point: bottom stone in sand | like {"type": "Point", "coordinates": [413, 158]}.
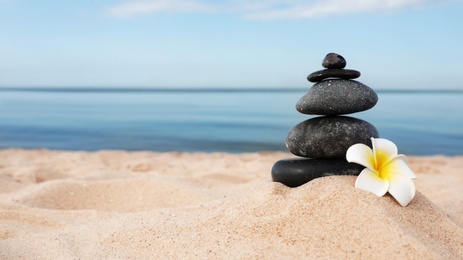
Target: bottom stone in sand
{"type": "Point", "coordinates": [294, 172]}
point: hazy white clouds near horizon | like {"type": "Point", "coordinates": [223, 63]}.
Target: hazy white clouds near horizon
{"type": "Point", "coordinates": [264, 9]}
{"type": "Point", "coordinates": [133, 8]}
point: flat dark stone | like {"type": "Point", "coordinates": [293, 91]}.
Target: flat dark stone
{"type": "Point", "coordinates": [336, 97]}
{"type": "Point", "coordinates": [329, 136]}
{"type": "Point", "coordinates": [334, 61]}
{"type": "Point", "coordinates": [297, 171]}
{"type": "Point", "coordinates": [333, 73]}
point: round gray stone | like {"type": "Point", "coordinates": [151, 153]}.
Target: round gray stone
{"type": "Point", "coordinates": [294, 172]}
{"type": "Point", "coordinates": [329, 136]}
{"type": "Point", "coordinates": [333, 73]}
{"type": "Point", "coordinates": [336, 97]}
{"type": "Point", "coordinates": [334, 61]}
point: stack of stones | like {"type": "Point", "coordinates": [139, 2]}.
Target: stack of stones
{"type": "Point", "coordinates": [322, 142]}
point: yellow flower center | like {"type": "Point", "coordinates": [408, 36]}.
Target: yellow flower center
{"type": "Point", "coordinates": [381, 160]}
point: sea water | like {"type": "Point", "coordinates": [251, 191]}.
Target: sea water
{"type": "Point", "coordinates": [420, 123]}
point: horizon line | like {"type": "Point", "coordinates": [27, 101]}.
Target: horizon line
{"type": "Point", "coordinates": [204, 89]}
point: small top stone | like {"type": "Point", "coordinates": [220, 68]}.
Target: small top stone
{"type": "Point", "coordinates": [334, 61]}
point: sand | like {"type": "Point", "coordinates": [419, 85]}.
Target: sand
{"type": "Point", "coordinates": [117, 204]}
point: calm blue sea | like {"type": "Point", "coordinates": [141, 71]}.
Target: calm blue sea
{"type": "Point", "coordinates": [420, 123]}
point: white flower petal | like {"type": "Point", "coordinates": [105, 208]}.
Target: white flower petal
{"type": "Point", "coordinates": [398, 165]}
{"type": "Point", "coordinates": [361, 154]}
{"type": "Point", "coordinates": [383, 151]}
{"type": "Point", "coordinates": [402, 189]}
{"type": "Point", "coordinates": [370, 181]}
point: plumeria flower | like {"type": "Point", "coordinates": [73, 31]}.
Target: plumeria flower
{"type": "Point", "coordinates": [386, 171]}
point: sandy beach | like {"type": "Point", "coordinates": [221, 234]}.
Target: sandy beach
{"type": "Point", "coordinates": [117, 204]}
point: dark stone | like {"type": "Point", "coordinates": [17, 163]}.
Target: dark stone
{"type": "Point", "coordinates": [329, 136]}
{"type": "Point", "coordinates": [334, 61]}
{"type": "Point", "coordinates": [297, 171]}
{"type": "Point", "coordinates": [333, 73]}
{"type": "Point", "coordinates": [336, 97]}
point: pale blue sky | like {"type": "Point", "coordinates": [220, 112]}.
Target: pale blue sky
{"type": "Point", "coordinates": [405, 44]}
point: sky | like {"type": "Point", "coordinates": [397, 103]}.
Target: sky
{"type": "Point", "coordinates": [395, 44]}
